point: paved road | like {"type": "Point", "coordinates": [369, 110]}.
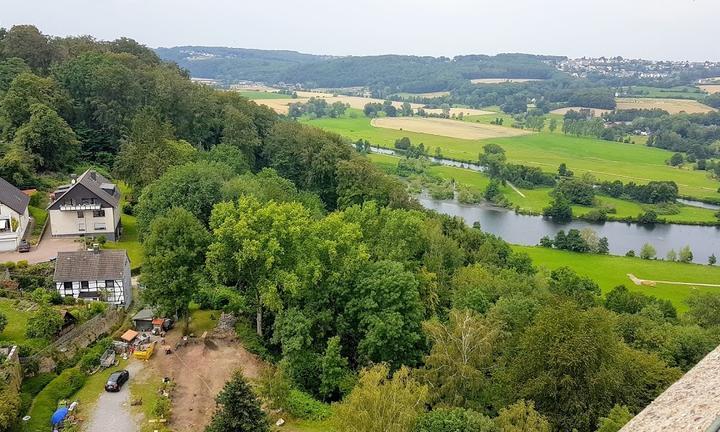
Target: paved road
{"type": "Point", "coordinates": [45, 250]}
{"type": "Point", "coordinates": [112, 410]}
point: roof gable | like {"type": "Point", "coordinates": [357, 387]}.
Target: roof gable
{"type": "Point", "coordinates": [90, 265]}
{"type": "Point", "coordinates": [93, 183]}
{"type": "Point", "coordinates": [13, 197]}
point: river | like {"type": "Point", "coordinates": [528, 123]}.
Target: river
{"type": "Point", "coordinates": [527, 230]}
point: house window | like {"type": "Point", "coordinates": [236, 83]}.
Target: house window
{"type": "Point", "coordinates": [100, 226]}
{"type": "Point", "coordinates": [109, 284]}
{"type": "Point", "coordinates": [99, 213]}
{"type": "Point", "coordinates": [80, 215]}
{"type": "Point", "coordinates": [5, 225]}
{"type": "Point", "coordinates": [84, 286]}
{"type": "Point", "coordinates": [68, 288]}
{"type": "Point", "coordinates": [81, 226]}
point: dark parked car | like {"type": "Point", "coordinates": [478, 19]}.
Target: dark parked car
{"type": "Point", "coordinates": [24, 246]}
{"type": "Point", "coordinates": [116, 380]}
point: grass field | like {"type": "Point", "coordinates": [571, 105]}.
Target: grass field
{"type": "Point", "coordinates": [611, 271]}
{"type": "Point", "coordinates": [673, 106]}
{"type": "Point", "coordinates": [535, 200]}
{"type": "Point", "coordinates": [130, 239]}
{"type": "Point", "coordinates": [678, 92]}
{"type": "Point", "coordinates": [428, 95]}
{"type": "Point", "coordinates": [606, 160]}
{"type": "Point", "coordinates": [17, 321]}
{"type": "Point", "coordinates": [259, 95]}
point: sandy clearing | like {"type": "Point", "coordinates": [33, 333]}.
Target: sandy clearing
{"type": "Point", "coordinates": [447, 128]}
{"type": "Point", "coordinates": [563, 111]}
{"type": "Point", "coordinates": [710, 88]}
{"type": "Point", "coordinates": [673, 106]}
{"type": "Point", "coordinates": [280, 106]}
{"type": "Point", "coordinates": [502, 80]}
{"type": "Point", "coordinates": [458, 111]}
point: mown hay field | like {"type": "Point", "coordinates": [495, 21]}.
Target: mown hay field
{"type": "Point", "coordinates": [710, 88]}
{"type": "Point", "coordinates": [447, 127]}
{"type": "Point", "coordinates": [673, 106]}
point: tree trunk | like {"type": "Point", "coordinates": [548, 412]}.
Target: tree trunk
{"type": "Point", "coordinates": [258, 320]}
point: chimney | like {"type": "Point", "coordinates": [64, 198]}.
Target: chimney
{"type": "Point", "coordinates": [73, 178]}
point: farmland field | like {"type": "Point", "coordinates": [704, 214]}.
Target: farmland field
{"type": "Point", "coordinates": [673, 106]}
{"type": "Point", "coordinates": [678, 92]}
{"type": "Point", "coordinates": [428, 95]}
{"type": "Point", "coordinates": [606, 160]}
{"type": "Point", "coordinates": [610, 271]}
{"type": "Point", "coordinates": [446, 127]}
{"type": "Point", "coordinates": [259, 95]}
{"type": "Point", "coordinates": [710, 88]}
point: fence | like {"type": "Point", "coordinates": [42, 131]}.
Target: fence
{"type": "Point", "coordinates": [76, 339]}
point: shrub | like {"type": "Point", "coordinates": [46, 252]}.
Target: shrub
{"type": "Point", "coordinates": [128, 208]}
{"type": "Point", "coordinates": [303, 406]}
{"type": "Point", "coordinates": [91, 358]}
{"type": "Point", "coordinates": [161, 407]}
{"type": "Point", "coordinates": [64, 386]}
{"type": "Point", "coordinates": [251, 341]}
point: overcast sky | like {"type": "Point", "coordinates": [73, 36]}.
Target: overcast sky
{"type": "Point", "coordinates": [654, 29]}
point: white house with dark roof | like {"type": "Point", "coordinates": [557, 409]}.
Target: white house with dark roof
{"type": "Point", "coordinates": [100, 274]}
{"type": "Point", "coordinates": [14, 216]}
{"type": "Point", "coordinates": [88, 206]}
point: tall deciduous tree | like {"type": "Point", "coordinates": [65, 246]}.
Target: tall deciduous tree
{"type": "Point", "coordinates": [460, 358]}
{"type": "Point", "coordinates": [27, 43]}
{"type": "Point", "coordinates": [174, 258]}
{"type": "Point", "coordinates": [25, 90]}
{"type": "Point", "coordinates": [49, 137]}
{"type": "Point", "coordinates": [240, 131]}
{"type": "Point", "coordinates": [195, 187]}
{"type": "Point", "coordinates": [258, 249]}
{"type": "Point", "coordinates": [238, 410]}
{"type": "Point", "coordinates": [521, 417]}
{"type": "Point", "coordinates": [149, 151]}
{"type": "Point", "coordinates": [379, 403]}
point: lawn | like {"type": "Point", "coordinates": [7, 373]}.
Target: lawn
{"type": "Point", "coordinates": [535, 200]}
{"type": "Point", "coordinates": [17, 321]}
{"type": "Point", "coordinates": [610, 271]}
{"type": "Point", "coordinates": [202, 320]}
{"type": "Point", "coordinates": [607, 160]}
{"type": "Point", "coordinates": [88, 395]}
{"type": "Point", "coordinates": [145, 387]}
{"type": "Point", "coordinates": [130, 240]}
{"type": "Point", "coordinates": [257, 95]}
{"type": "Point", "coordinates": [40, 215]}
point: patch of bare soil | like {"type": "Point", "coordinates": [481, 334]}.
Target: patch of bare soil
{"type": "Point", "coordinates": [200, 370]}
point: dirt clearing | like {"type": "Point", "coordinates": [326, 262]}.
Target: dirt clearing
{"type": "Point", "coordinates": [673, 106]}
{"type": "Point", "coordinates": [448, 128]}
{"type": "Point", "coordinates": [200, 371]}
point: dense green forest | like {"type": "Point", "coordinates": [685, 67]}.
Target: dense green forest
{"type": "Point", "coordinates": [397, 72]}
{"type": "Point", "coordinates": [354, 294]}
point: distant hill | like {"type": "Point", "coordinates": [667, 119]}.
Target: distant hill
{"type": "Point", "coordinates": [393, 72]}
{"type": "Point", "coordinates": [235, 64]}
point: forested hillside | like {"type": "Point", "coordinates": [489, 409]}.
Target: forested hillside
{"type": "Point", "coordinates": [398, 72]}
{"type": "Point", "coordinates": [369, 310]}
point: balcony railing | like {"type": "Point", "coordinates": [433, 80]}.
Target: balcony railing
{"type": "Point", "coordinates": [79, 207]}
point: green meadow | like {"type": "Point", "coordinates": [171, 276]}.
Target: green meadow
{"type": "Point", "coordinates": [606, 160]}
{"type": "Point", "coordinates": [535, 200]}
{"type": "Point", "coordinates": [611, 271]}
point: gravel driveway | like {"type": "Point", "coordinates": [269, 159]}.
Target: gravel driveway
{"type": "Point", "coordinates": [112, 410]}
